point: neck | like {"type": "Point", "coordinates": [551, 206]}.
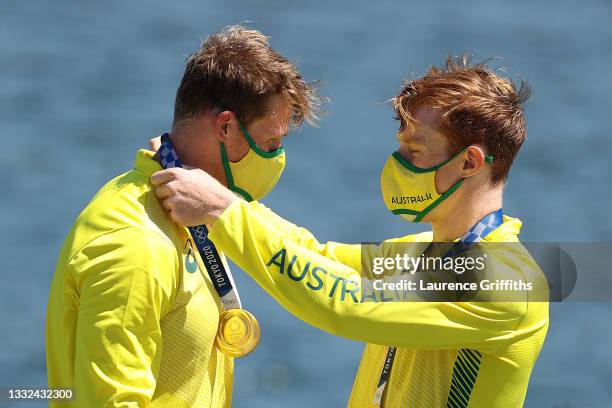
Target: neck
{"type": "Point", "coordinates": [465, 211]}
{"type": "Point", "coordinates": [196, 148]}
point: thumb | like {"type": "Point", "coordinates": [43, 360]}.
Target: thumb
{"type": "Point", "coordinates": [155, 143]}
{"type": "Point", "coordinates": [164, 176]}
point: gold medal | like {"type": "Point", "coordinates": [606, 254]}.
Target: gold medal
{"type": "Point", "coordinates": [238, 332]}
{"type": "Point", "coordinates": [373, 406]}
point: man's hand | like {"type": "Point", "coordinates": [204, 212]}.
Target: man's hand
{"type": "Point", "coordinates": [192, 197]}
{"type": "Point", "coordinates": [155, 143]}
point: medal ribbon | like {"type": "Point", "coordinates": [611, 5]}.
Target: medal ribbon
{"type": "Point", "coordinates": [475, 234]}
{"type": "Point", "coordinates": [220, 276]}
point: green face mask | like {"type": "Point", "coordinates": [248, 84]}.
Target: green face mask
{"type": "Point", "coordinates": [257, 173]}
{"type": "Point", "coordinates": [410, 191]}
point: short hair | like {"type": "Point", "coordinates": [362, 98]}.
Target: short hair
{"type": "Point", "coordinates": [237, 70]}
{"type": "Point", "coordinates": [475, 106]}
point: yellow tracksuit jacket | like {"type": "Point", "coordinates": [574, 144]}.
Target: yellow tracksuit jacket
{"type": "Point", "coordinates": [450, 354]}
{"type": "Point", "coordinates": [132, 318]}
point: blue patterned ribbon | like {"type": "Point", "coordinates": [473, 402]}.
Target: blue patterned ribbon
{"type": "Point", "coordinates": [220, 276]}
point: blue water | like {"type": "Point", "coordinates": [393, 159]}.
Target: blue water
{"type": "Point", "coordinates": [84, 84]}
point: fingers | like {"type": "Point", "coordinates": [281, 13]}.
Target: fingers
{"type": "Point", "coordinates": [165, 176]}
{"type": "Point", "coordinates": [169, 203]}
{"type": "Point", "coordinates": [164, 191]}
{"type": "Point", "coordinates": [155, 143]}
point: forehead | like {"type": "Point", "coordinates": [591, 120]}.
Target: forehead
{"type": "Point", "coordinates": [425, 126]}
{"type": "Point", "coordinates": [426, 118]}
{"type": "Point", "coordinates": [274, 123]}
{"type": "Point", "coordinates": [278, 110]}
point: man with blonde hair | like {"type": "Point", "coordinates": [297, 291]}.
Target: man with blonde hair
{"type": "Point", "coordinates": [135, 306]}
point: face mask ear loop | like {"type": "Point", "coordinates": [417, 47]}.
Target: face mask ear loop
{"type": "Point", "coordinates": [245, 132]}
{"type": "Point", "coordinates": [224, 159]}
{"type": "Point", "coordinates": [488, 158]}
{"type": "Point", "coordinates": [442, 197]}
{"type": "Point", "coordinates": [247, 135]}
{"type": "Point", "coordinates": [453, 156]}
{"type": "Point", "coordinates": [229, 179]}
{"type": "Point", "coordinates": [251, 141]}
{"type": "Point", "coordinates": [451, 190]}
{"type": "Point", "coordinates": [226, 168]}
{"type": "Point", "coordinates": [447, 193]}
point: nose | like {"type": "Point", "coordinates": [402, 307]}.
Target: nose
{"type": "Point", "coordinates": [274, 145]}
{"type": "Point", "coordinates": [277, 142]}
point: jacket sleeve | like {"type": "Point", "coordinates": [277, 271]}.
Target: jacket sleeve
{"type": "Point", "coordinates": [326, 292]}
{"type": "Point", "coordinates": [125, 282]}
{"type": "Point", "coordinates": [347, 254]}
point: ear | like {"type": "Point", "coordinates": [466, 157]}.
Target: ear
{"type": "Point", "coordinates": [223, 123]}
{"type": "Point", "coordinates": [473, 160]}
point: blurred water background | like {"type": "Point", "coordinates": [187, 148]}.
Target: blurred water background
{"type": "Point", "coordinates": [85, 84]}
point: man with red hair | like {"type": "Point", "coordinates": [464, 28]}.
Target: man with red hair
{"type": "Point", "coordinates": [461, 127]}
